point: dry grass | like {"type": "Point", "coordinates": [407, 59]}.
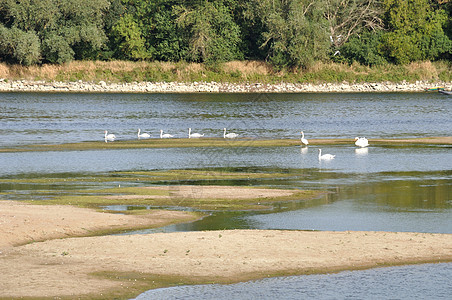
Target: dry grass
{"type": "Point", "coordinates": [4, 71]}
{"type": "Point", "coordinates": [248, 67]}
{"type": "Point", "coordinates": [426, 70]}
{"type": "Point", "coordinates": [235, 71]}
{"type": "Point", "coordinates": [194, 68]}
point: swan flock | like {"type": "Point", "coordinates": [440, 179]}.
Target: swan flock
{"type": "Point", "coordinates": [361, 142]}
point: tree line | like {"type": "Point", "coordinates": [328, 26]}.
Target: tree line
{"type": "Point", "coordinates": [286, 33]}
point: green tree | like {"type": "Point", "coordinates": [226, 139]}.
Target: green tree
{"type": "Point", "coordinates": [295, 32]}
{"type": "Point", "coordinates": [213, 34]}
{"type": "Point", "coordinates": [66, 29]}
{"type": "Point", "coordinates": [415, 31]}
{"type": "Point", "coordinates": [19, 46]}
{"type": "Point", "coordinates": [128, 39]}
{"type": "Point", "coordinates": [346, 18]}
{"type": "Point", "coordinates": [364, 49]}
{"type": "Point", "coordinates": [156, 23]}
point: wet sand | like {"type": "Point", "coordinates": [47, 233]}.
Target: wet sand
{"type": "Point", "coordinates": [123, 265]}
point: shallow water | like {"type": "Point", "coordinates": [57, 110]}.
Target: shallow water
{"type": "Point", "coordinates": [379, 188]}
{"type": "Point", "coordinates": [376, 159]}
{"type": "Point", "coordinates": [406, 282]}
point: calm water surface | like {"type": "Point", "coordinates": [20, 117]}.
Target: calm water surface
{"type": "Point", "coordinates": [48, 118]}
{"type": "Point", "coordinates": [379, 188]}
{"type": "Point", "coordinates": [407, 282]}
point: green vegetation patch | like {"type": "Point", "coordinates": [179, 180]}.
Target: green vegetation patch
{"type": "Point", "coordinates": [158, 176]}
{"type": "Point", "coordinates": [216, 142]}
{"type": "Point", "coordinates": [217, 189]}
{"type": "Point", "coordinates": [171, 175]}
{"type": "Point", "coordinates": [181, 196]}
{"type": "Point", "coordinates": [156, 143]}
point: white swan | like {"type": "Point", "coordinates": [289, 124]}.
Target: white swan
{"type": "Point", "coordinates": [109, 137]}
{"type": "Point", "coordinates": [230, 135]}
{"type": "Point", "coordinates": [303, 140]}
{"type": "Point", "coordinates": [166, 135]}
{"type": "Point", "coordinates": [361, 142]}
{"type": "Point", "coordinates": [143, 135]}
{"type": "Point", "coordinates": [325, 156]}
{"type": "Point", "coordinates": [194, 135]}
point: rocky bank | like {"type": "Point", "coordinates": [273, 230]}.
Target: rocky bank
{"type": "Point", "coordinates": [213, 87]}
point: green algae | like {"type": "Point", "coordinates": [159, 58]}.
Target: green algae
{"type": "Point", "coordinates": [216, 142]}
{"type": "Point", "coordinates": [169, 197]}
{"type": "Point", "coordinates": [128, 188]}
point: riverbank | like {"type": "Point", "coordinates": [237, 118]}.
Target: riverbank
{"type": "Point", "coordinates": [105, 267]}
{"type": "Point", "coordinates": [214, 87]}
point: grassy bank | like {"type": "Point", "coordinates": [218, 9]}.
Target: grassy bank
{"type": "Point", "coordinates": [233, 72]}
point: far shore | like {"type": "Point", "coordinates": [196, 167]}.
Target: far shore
{"type": "Point", "coordinates": [216, 87]}
{"type": "Point", "coordinates": [49, 251]}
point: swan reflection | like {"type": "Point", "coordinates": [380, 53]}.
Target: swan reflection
{"type": "Point", "coordinates": [361, 151]}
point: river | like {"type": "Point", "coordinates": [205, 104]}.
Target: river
{"type": "Point", "coordinates": [382, 188]}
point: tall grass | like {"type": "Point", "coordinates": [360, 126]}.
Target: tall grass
{"type": "Point", "coordinates": [234, 72]}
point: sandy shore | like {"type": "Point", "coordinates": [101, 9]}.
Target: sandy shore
{"type": "Point", "coordinates": [22, 223]}
{"type": "Point", "coordinates": [123, 266]}
{"type": "Point", "coordinates": [214, 87]}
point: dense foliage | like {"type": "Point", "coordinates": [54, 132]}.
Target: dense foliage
{"type": "Point", "coordinates": [287, 33]}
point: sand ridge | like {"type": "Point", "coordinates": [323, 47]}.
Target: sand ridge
{"type": "Point", "coordinates": [48, 251]}
{"type": "Point", "coordinates": [22, 223]}
{"type": "Point", "coordinates": [62, 267]}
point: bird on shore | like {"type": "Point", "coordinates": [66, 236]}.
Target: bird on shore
{"type": "Point", "coordinates": [325, 156]}
{"type": "Point", "coordinates": [143, 135]}
{"type": "Point", "coordinates": [361, 142]}
{"type": "Point", "coordinates": [109, 137]}
{"type": "Point", "coordinates": [230, 135]}
{"type": "Point", "coordinates": [303, 140]}
{"type": "Point", "coordinates": [194, 135]}
{"type": "Point", "coordinates": [166, 135]}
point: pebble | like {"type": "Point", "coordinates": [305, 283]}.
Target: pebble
{"type": "Point", "coordinates": [214, 87]}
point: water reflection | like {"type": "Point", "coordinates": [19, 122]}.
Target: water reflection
{"type": "Point", "coordinates": [388, 205]}
{"type": "Point", "coordinates": [304, 150]}
{"type": "Point", "coordinates": [408, 202]}
{"type": "Point", "coordinates": [361, 151]}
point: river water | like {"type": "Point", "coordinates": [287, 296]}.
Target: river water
{"type": "Point", "coordinates": [381, 188]}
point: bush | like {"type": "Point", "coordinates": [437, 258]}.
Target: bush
{"type": "Point", "coordinates": [19, 46]}
{"type": "Point", "coordinates": [57, 50]}
{"type": "Point", "coordinates": [364, 49]}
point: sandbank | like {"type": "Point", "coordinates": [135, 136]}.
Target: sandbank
{"type": "Point", "coordinates": [103, 267]}
{"type": "Point", "coordinates": [220, 142]}
{"type": "Point", "coordinates": [22, 223]}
